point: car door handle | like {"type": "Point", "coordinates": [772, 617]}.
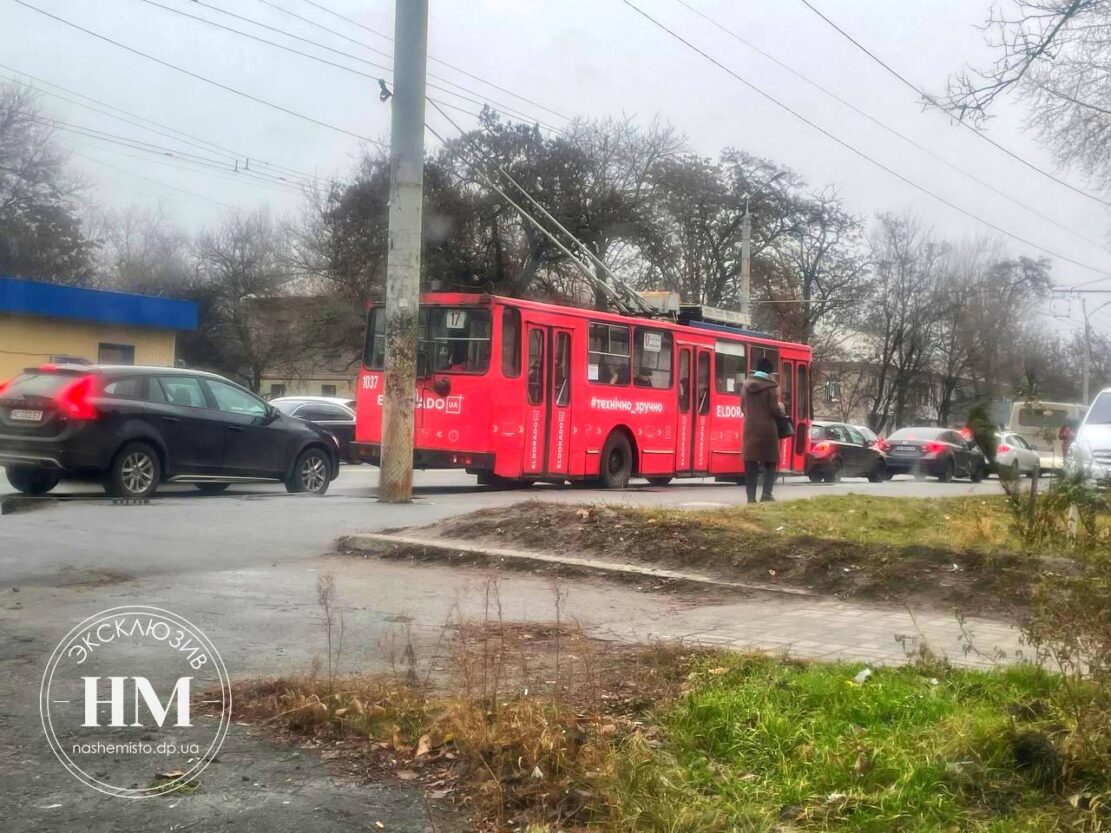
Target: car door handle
{"type": "Point", "coordinates": [170, 419]}
{"type": "Point", "coordinates": [234, 427]}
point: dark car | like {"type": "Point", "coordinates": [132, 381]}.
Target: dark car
{"type": "Point", "coordinates": [132, 428]}
{"type": "Point", "coordinates": [840, 450]}
{"type": "Point", "coordinates": [936, 452]}
{"type": "Point", "coordinates": [333, 414]}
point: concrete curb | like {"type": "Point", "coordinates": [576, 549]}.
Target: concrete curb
{"type": "Point", "coordinates": [374, 542]}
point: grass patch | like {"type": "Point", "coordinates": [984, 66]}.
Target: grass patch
{"type": "Point", "coordinates": [956, 523]}
{"type": "Point", "coordinates": [763, 745]}
{"type": "Point", "coordinates": [930, 553]}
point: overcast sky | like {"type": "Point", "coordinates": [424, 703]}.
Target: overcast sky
{"type": "Point", "coordinates": [576, 57]}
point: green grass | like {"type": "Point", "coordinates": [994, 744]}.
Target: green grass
{"type": "Point", "coordinates": [763, 745]}
{"type": "Point", "coordinates": [945, 523]}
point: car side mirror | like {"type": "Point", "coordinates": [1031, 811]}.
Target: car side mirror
{"type": "Point", "coordinates": [271, 414]}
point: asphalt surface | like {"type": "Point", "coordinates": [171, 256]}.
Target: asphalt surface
{"type": "Point", "coordinates": [244, 566]}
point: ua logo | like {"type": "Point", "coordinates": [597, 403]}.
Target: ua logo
{"type": "Point", "coordinates": [142, 691]}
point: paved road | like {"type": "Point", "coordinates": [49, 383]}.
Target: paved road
{"type": "Point", "coordinates": [244, 565]}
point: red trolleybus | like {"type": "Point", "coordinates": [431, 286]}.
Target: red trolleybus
{"type": "Point", "coordinates": [519, 391]}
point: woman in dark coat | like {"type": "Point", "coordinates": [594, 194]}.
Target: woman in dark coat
{"type": "Point", "coordinates": [760, 443]}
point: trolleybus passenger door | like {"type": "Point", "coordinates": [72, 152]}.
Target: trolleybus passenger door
{"type": "Point", "coordinates": [559, 401]}
{"type": "Point", "coordinates": [703, 375]}
{"type": "Point", "coordinates": [787, 397]}
{"type": "Point", "coordinates": [536, 402]}
{"type": "Point", "coordinates": [684, 433]}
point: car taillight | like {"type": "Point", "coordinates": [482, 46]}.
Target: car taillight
{"type": "Point", "coordinates": [934, 448]}
{"type": "Point", "coordinates": [820, 449]}
{"type": "Point", "coordinates": [4, 385]}
{"type": "Point", "coordinates": [882, 444]}
{"type": "Point", "coordinates": [75, 400]}
{"type": "Point", "coordinates": [1003, 448]}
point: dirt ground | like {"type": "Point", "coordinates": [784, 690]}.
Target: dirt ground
{"type": "Point", "coordinates": [927, 578]}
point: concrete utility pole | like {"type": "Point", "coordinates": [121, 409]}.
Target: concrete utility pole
{"type": "Point", "coordinates": [403, 258]}
{"type": "Point", "coordinates": [745, 301]}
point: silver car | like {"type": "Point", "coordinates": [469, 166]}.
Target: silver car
{"type": "Point", "coordinates": [1014, 456]}
{"type": "Point", "coordinates": [1090, 453]}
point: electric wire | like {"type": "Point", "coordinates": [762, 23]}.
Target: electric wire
{"type": "Point", "coordinates": [855, 151]}
{"type": "Point", "coordinates": [227, 88]}
{"type": "Point", "coordinates": [142, 122]}
{"type": "Point", "coordinates": [325, 61]}
{"type": "Point", "coordinates": [933, 101]}
{"type": "Point", "coordinates": [893, 131]}
{"type": "Point", "coordinates": [432, 58]}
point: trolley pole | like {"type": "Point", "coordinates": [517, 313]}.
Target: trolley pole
{"type": "Point", "coordinates": [403, 256]}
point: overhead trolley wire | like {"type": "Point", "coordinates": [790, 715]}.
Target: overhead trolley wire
{"type": "Point", "coordinates": [855, 151]}
{"type": "Point", "coordinates": [931, 100]}
{"type": "Point", "coordinates": [199, 77]}
{"type": "Point", "coordinates": [317, 58]}
{"type": "Point", "coordinates": [432, 58]}
{"type": "Point", "coordinates": [864, 114]}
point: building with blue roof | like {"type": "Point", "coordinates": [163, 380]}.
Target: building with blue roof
{"type": "Point", "coordinates": [44, 323]}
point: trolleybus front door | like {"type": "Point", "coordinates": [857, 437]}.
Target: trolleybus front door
{"type": "Point", "coordinates": [703, 376]}
{"type": "Point", "coordinates": [787, 396]}
{"type": "Point", "coordinates": [559, 401]}
{"type": "Point", "coordinates": [536, 401]}
{"type": "Point", "coordinates": [684, 429]}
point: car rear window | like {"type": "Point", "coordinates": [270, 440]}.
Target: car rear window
{"type": "Point", "coordinates": [917, 434]}
{"type": "Point", "coordinates": [38, 384]}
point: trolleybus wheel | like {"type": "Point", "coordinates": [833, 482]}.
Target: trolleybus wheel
{"type": "Point", "coordinates": [616, 465]}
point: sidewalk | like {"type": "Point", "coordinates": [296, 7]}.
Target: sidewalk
{"type": "Point", "coordinates": [751, 617]}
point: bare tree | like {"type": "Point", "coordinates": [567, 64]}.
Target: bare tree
{"type": "Point", "coordinates": [242, 268]}
{"type": "Point", "coordinates": [143, 250]}
{"type": "Point", "coordinates": [41, 233]}
{"type": "Point", "coordinates": [1055, 54]}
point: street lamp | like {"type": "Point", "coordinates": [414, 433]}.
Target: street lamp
{"type": "Point", "coordinates": [745, 302]}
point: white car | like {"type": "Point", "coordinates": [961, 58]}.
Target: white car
{"type": "Point", "coordinates": [1090, 453]}
{"type": "Point", "coordinates": [1014, 455]}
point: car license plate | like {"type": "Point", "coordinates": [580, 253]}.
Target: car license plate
{"type": "Point", "coordinates": [906, 449]}
{"type": "Point", "coordinates": [26, 416]}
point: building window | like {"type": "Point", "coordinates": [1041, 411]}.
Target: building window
{"type": "Point", "coordinates": [327, 390]}
{"type": "Point", "coordinates": [833, 390]}
{"type": "Point", "coordinates": [608, 355]}
{"type": "Point", "coordinates": [115, 353]}
{"type": "Point", "coordinates": [276, 391]}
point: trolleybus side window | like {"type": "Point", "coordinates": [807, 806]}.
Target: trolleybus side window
{"type": "Point", "coordinates": [374, 348]}
{"type": "Point", "coordinates": [457, 339]}
{"type": "Point", "coordinates": [561, 379]}
{"type": "Point", "coordinates": [510, 342]}
{"type": "Point", "coordinates": [787, 388]}
{"type": "Point", "coordinates": [804, 393]}
{"type": "Point", "coordinates": [703, 392]}
{"type": "Point", "coordinates": [684, 381]}
{"type": "Point", "coordinates": [535, 367]}
{"type": "Point", "coordinates": [653, 359]}
{"type": "Point", "coordinates": [608, 355]}
{"type": "Point", "coordinates": [729, 368]}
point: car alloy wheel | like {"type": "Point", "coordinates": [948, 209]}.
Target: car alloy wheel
{"type": "Point", "coordinates": [314, 473]}
{"type": "Point", "coordinates": [137, 472]}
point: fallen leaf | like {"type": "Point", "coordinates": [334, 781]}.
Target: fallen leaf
{"type": "Point", "coordinates": [407, 775]}
{"type": "Point", "coordinates": [340, 712]}
{"type": "Point", "coordinates": [424, 745]}
{"type": "Point", "coordinates": [177, 773]}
